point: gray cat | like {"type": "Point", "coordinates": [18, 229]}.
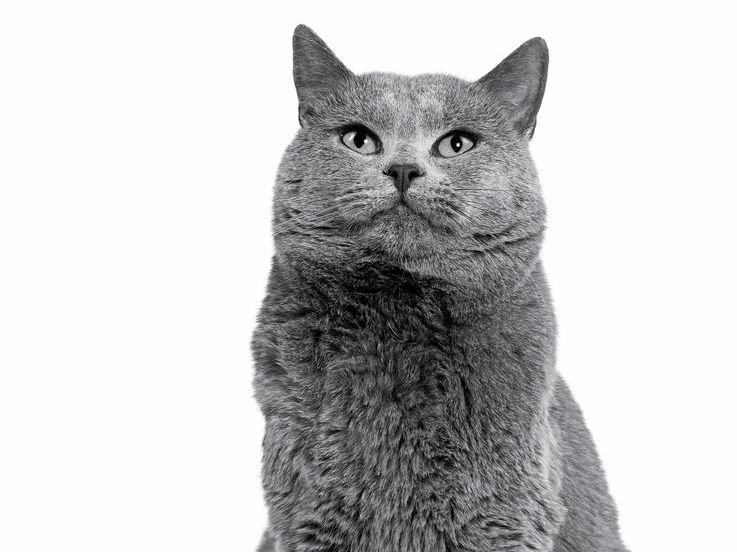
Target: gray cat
{"type": "Point", "coordinates": [405, 351]}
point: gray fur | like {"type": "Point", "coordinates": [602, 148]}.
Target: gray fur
{"type": "Point", "coordinates": [405, 355]}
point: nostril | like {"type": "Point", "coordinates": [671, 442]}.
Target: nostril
{"type": "Point", "coordinates": [414, 173]}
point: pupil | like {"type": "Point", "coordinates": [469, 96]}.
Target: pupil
{"type": "Point", "coordinates": [359, 139]}
{"type": "Point", "coordinates": [456, 143]}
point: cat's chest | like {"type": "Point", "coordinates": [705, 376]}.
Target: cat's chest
{"type": "Point", "coordinates": [394, 360]}
{"type": "Point", "coordinates": [397, 430]}
{"type": "Point", "coordinates": [388, 395]}
{"type": "Point", "coordinates": [404, 419]}
{"type": "Point", "coordinates": [380, 363]}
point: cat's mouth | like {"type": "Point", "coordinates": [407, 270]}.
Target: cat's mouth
{"type": "Point", "coordinates": [403, 205]}
{"type": "Point", "coordinates": [402, 209]}
{"type": "Point", "coordinates": [400, 218]}
{"type": "Point", "coordinates": [406, 216]}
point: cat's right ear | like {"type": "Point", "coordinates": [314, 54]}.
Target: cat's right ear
{"type": "Point", "coordinates": [316, 69]}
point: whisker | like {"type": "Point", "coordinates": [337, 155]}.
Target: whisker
{"type": "Point", "coordinates": [495, 190]}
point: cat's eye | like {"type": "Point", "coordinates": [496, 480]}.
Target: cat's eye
{"type": "Point", "coordinates": [360, 139]}
{"type": "Point", "coordinates": [454, 144]}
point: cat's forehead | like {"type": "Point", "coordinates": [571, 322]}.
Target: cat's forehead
{"type": "Point", "coordinates": [411, 104]}
{"type": "Point", "coordinates": [421, 90]}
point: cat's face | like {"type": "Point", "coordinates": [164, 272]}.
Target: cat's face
{"type": "Point", "coordinates": [430, 173]}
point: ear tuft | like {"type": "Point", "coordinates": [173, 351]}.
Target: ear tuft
{"type": "Point", "coordinates": [316, 68]}
{"type": "Point", "coordinates": [518, 83]}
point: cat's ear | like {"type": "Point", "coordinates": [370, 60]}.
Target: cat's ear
{"type": "Point", "coordinates": [518, 84]}
{"type": "Point", "coordinates": [316, 69]}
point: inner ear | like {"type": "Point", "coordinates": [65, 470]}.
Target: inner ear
{"type": "Point", "coordinates": [317, 70]}
{"type": "Point", "coordinates": [517, 84]}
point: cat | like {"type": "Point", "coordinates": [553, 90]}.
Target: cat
{"type": "Point", "coordinates": [405, 349]}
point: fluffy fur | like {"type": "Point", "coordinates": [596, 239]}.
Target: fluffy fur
{"type": "Point", "coordinates": [405, 351]}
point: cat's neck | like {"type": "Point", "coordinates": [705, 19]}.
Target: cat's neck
{"type": "Point", "coordinates": [331, 285]}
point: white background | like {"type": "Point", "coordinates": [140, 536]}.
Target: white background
{"type": "Point", "coordinates": [138, 145]}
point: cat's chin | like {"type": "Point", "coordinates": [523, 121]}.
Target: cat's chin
{"type": "Point", "coordinates": [400, 213]}
{"type": "Point", "coordinates": [401, 231]}
{"type": "Point", "coordinates": [405, 220]}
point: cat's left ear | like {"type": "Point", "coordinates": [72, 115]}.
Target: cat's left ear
{"type": "Point", "coordinates": [518, 84]}
{"type": "Point", "coordinates": [316, 69]}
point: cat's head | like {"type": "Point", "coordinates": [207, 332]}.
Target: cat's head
{"type": "Point", "coordinates": [430, 173]}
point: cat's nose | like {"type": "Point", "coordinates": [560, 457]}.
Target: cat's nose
{"type": "Point", "coordinates": [403, 175]}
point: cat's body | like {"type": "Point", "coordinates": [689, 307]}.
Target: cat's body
{"type": "Point", "coordinates": [405, 364]}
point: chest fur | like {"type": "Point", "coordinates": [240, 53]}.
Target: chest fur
{"type": "Point", "coordinates": [393, 413]}
{"type": "Point", "coordinates": [397, 393]}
